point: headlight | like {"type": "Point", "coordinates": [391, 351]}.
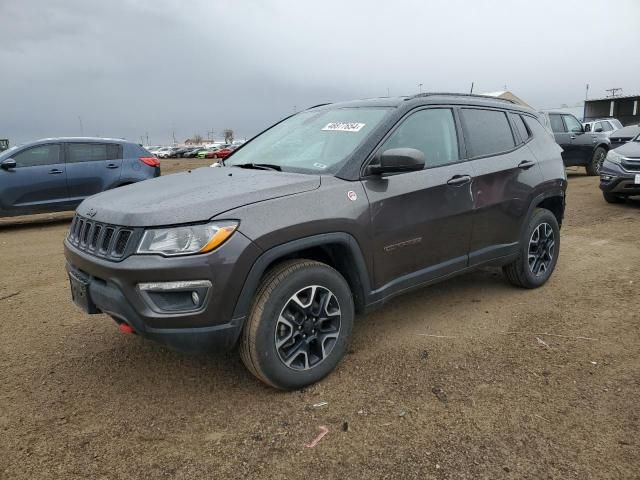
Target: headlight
{"type": "Point", "coordinates": [613, 157]}
{"type": "Point", "coordinates": [186, 239]}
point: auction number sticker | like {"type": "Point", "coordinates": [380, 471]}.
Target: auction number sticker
{"type": "Point", "coordinates": [637, 180]}
{"type": "Point", "coordinates": [343, 127]}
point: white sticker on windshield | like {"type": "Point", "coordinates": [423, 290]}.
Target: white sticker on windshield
{"type": "Point", "coordinates": [343, 127]}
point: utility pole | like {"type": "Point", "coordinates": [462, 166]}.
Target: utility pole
{"type": "Point", "coordinates": [419, 88]}
{"type": "Point", "coordinates": [471, 91]}
{"type": "Point", "coordinates": [388, 95]}
{"type": "Point", "coordinates": [613, 91]}
{"type": "Point", "coordinates": [586, 93]}
{"type": "Point", "coordinates": [81, 127]}
{"type": "Point", "coordinates": [295, 109]}
{"type": "Point", "coordinates": [147, 136]}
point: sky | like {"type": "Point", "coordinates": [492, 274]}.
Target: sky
{"type": "Point", "coordinates": [153, 69]}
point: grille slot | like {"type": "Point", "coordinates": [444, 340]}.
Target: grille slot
{"type": "Point", "coordinates": [121, 242]}
{"type": "Point", "coordinates": [110, 242]}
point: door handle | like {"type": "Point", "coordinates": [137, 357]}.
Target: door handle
{"type": "Point", "coordinates": [525, 164]}
{"type": "Point", "coordinates": [573, 137]}
{"type": "Point", "coordinates": [458, 180]}
{"type": "Point", "coordinates": [112, 165]}
{"type": "Point", "coordinates": [55, 171]}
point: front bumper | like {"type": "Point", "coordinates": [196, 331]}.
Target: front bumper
{"type": "Point", "coordinates": [114, 289]}
{"type": "Point", "coordinates": [615, 179]}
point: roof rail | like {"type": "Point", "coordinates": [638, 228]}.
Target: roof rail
{"type": "Point", "coordinates": [472, 95]}
{"type": "Point", "coordinates": [319, 105]}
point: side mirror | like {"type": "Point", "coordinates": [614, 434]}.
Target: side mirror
{"type": "Point", "coordinates": [8, 164]}
{"type": "Point", "coordinates": [599, 129]}
{"type": "Point", "coordinates": [398, 160]}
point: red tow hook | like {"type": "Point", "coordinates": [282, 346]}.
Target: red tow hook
{"type": "Point", "coordinates": [125, 328]}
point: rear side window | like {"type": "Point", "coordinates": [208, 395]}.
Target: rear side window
{"type": "Point", "coordinates": [433, 132]}
{"type": "Point", "coordinates": [556, 124]}
{"type": "Point", "coordinates": [487, 132]}
{"type": "Point", "coordinates": [606, 127]}
{"type": "Point", "coordinates": [520, 126]}
{"type": "Point", "coordinates": [38, 156]}
{"type": "Point", "coordinates": [93, 152]}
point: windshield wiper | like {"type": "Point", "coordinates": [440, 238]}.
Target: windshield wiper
{"type": "Point", "coordinates": [259, 166]}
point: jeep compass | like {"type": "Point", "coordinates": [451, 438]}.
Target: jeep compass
{"type": "Point", "coordinates": [328, 213]}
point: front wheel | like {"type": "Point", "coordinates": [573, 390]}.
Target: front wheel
{"type": "Point", "coordinates": [539, 250]}
{"type": "Point", "coordinates": [594, 167]}
{"type": "Point", "coordinates": [300, 325]}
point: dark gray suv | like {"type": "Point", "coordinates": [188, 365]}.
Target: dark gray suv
{"type": "Point", "coordinates": [330, 212]}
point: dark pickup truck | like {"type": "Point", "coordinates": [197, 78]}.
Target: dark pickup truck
{"type": "Point", "coordinates": [580, 148]}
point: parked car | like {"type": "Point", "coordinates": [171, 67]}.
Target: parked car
{"type": "Point", "coordinates": [605, 125]}
{"type": "Point", "coordinates": [221, 152]}
{"type": "Point", "coordinates": [56, 174]}
{"type": "Point", "coordinates": [179, 152]}
{"type": "Point", "coordinates": [333, 211]}
{"type": "Point", "coordinates": [624, 135]}
{"type": "Point", "coordinates": [620, 173]}
{"type": "Point", "coordinates": [167, 152]}
{"type": "Point", "coordinates": [193, 152]}
{"type": "Point", "coordinates": [579, 147]}
{"type": "Point", "coordinates": [207, 152]}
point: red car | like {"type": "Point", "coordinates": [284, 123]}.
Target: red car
{"type": "Point", "coordinates": [222, 153]}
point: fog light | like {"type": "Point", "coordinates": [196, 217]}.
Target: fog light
{"type": "Point", "coordinates": [195, 297]}
{"type": "Point", "coordinates": [175, 297]}
{"type": "Point", "coordinates": [605, 178]}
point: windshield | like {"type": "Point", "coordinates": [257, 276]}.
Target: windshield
{"type": "Point", "coordinates": [616, 123]}
{"type": "Point", "coordinates": [311, 141]}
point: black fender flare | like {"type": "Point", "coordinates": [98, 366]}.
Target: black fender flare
{"type": "Point", "coordinates": [554, 192]}
{"type": "Point", "coordinates": [245, 299]}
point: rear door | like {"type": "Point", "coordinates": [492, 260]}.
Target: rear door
{"type": "Point", "coordinates": [92, 167]}
{"type": "Point", "coordinates": [562, 136]}
{"type": "Point", "coordinates": [421, 221]}
{"type": "Point", "coordinates": [38, 183]}
{"type": "Point", "coordinates": [506, 174]}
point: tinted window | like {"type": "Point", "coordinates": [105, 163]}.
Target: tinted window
{"type": "Point", "coordinates": [536, 128]}
{"type": "Point", "coordinates": [432, 131]}
{"type": "Point", "coordinates": [92, 152]}
{"type": "Point", "coordinates": [520, 127]}
{"type": "Point", "coordinates": [573, 125]}
{"type": "Point", "coordinates": [487, 132]}
{"type": "Point", "coordinates": [556, 123]}
{"type": "Point", "coordinates": [36, 156]}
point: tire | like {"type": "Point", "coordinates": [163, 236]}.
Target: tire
{"type": "Point", "coordinates": [594, 167]}
{"type": "Point", "coordinates": [273, 333]}
{"type": "Point", "coordinates": [613, 198]}
{"type": "Point", "coordinates": [521, 272]}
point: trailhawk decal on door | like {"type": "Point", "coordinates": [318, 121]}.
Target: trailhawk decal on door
{"type": "Point", "coordinates": [343, 127]}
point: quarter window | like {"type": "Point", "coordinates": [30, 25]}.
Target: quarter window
{"type": "Point", "coordinates": [487, 132]}
{"type": "Point", "coordinates": [38, 156]}
{"type": "Point", "coordinates": [520, 126]}
{"type": "Point", "coordinates": [433, 132]}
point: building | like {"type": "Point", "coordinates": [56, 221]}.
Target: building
{"type": "Point", "coordinates": [624, 108]}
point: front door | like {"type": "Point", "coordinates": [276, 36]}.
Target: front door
{"type": "Point", "coordinates": [421, 221]}
{"type": "Point", "coordinates": [582, 143]}
{"type": "Point", "coordinates": [563, 138]}
{"type": "Point", "coordinates": [38, 183]}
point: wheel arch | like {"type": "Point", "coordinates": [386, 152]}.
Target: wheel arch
{"type": "Point", "coordinates": [339, 250]}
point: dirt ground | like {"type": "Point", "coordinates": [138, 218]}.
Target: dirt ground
{"type": "Point", "coordinates": [471, 378]}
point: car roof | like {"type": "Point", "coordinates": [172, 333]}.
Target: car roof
{"type": "Point", "coordinates": [429, 99]}
{"type": "Point", "coordinates": [78, 139]}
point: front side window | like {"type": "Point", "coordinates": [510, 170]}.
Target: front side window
{"type": "Point", "coordinates": [38, 156]}
{"type": "Point", "coordinates": [314, 141]}
{"type": "Point", "coordinates": [432, 131]}
{"type": "Point", "coordinates": [91, 152]}
{"type": "Point", "coordinates": [573, 125]}
{"type": "Point", "coordinates": [556, 124]}
{"type": "Point", "coordinates": [487, 132]}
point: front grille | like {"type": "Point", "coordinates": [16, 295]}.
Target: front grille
{"type": "Point", "coordinates": [631, 164]}
{"type": "Point", "coordinates": [111, 242]}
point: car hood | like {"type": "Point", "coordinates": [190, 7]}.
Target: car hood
{"type": "Point", "coordinates": [629, 150]}
{"type": "Point", "coordinates": [193, 196]}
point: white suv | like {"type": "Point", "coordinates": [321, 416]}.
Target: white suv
{"type": "Point", "coordinates": [604, 125]}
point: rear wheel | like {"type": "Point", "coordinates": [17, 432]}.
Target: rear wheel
{"type": "Point", "coordinates": [594, 167]}
{"type": "Point", "coordinates": [613, 198]}
{"type": "Point", "coordinates": [299, 326]}
{"type": "Point", "coordinates": [539, 249]}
